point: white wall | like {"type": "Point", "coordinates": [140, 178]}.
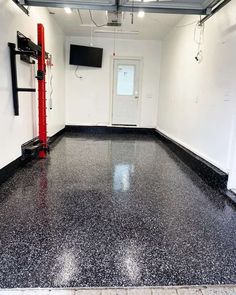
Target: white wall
{"type": "Point", "coordinates": [197, 101]}
{"type": "Point", "coordinates": [15, 131]}
{"type": "Point", "coordinates": [88, 99]}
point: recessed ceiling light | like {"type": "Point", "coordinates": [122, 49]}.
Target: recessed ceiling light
{"type": "Point", "coordinates": [141, 13]}
{"type": "Point", "coordinates": [68, 10]}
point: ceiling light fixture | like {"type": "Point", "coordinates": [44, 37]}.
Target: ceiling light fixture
{"type": "Point", "coordinates": [141, 13]}
{"type": "Point", "coordinates": [116, 32]}
{"type": "Point", "coordinates": [68, 10]}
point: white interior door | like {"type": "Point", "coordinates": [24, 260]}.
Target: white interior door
{"type": "Point", "coordinates": [125, 92]}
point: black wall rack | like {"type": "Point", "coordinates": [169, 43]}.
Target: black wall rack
{"type": "Point", "coordinates": [15, 88]}
{"type": "Point", "coordinates": [26, 50]}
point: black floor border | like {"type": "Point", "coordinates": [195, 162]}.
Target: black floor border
{"type": "Point", "coordinates": [57, 136]}
{"type": "Point", "coordinates": [208, 172]}
{"type": "Point", "coordinates": [109, 129]}
{"type": "Point", "coordinates": [9, 170]}
{"type": "Point", "coordinates": [230, 194]}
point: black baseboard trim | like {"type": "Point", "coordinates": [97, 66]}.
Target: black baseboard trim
{"type": "Point", "coordinates": [9, 170]}
{"type": "Point", "coordinates": [231, 195]}
{"type": "Point", "coordinates": [208, 172]}
{"type": "Point", "coordinates": [52, 139]}
{"type": "Point", "coordinates": [108, 129]}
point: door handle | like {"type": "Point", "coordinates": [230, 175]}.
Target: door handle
{"type": "Point", "coordinates": [136, 97]}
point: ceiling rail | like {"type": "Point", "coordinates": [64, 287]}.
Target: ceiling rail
{"type": "Point", "coordinates": [162, 10]}
{"type": "Point", "coordinates": [118, 5]}
{"type": "Point", "coordinates": [214, 11]}
{"type": "Point", "coordinates": [22, 7]}
{"type": "Point", "coordinates": [71, 4]}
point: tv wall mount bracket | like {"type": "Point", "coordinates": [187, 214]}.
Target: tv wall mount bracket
{"type": "Point", "coordinates": [28, 52]}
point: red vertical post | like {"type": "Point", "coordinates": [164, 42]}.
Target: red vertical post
{"type": "Point", "coordinates": [42, 93]}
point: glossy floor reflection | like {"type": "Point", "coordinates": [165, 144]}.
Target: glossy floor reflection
{"type": "Point", "coordinates": [114, 210]}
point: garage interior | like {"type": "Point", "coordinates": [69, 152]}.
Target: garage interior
{"type": "Point", "coordinates": [118, 154]}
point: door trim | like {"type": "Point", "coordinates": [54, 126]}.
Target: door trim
{"type": "Point", "coordinates": [112, 63]}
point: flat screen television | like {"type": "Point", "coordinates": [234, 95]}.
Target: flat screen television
{"type": "Point", "coordinates": [86, 56]}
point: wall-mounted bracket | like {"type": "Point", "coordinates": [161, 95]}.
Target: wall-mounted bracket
{"type": "Point", "coordinates": [28, 51]}
{"type": "Point", "coordinates": [15, 88]}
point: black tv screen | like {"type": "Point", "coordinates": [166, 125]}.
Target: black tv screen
{"type": "Point", "coordinates": [86, 56]}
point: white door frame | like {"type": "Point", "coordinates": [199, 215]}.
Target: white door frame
{"type": "Point", "coordinates": [112, 62]}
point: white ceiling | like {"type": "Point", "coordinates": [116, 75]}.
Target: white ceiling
{"type": "Point", "coordinates": [151, 27]}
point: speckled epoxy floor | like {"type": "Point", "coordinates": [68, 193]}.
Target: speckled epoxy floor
{"type": "Point", "coordinates": [114, 210]}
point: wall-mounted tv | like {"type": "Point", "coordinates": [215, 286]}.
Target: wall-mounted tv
{"type": "Point", "coordinates": [86, 56]}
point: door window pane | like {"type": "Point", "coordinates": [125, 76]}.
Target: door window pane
{"type": "Point", "coordinates": [125, 80]}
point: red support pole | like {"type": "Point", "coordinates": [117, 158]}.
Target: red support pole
{"type": "Point", "coordinates": [42, 93]}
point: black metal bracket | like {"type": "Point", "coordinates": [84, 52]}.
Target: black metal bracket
{"type": "Point", "coordinates": [40, 75]}
{"type": "Point", "coordinates": [30, 48]}
{"type": "Point", "coordinates": [28, 52]}
{"type": "Point", "coordinates": [22, 7]}
{"type": "Point", "coordinates": [15, 88]}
